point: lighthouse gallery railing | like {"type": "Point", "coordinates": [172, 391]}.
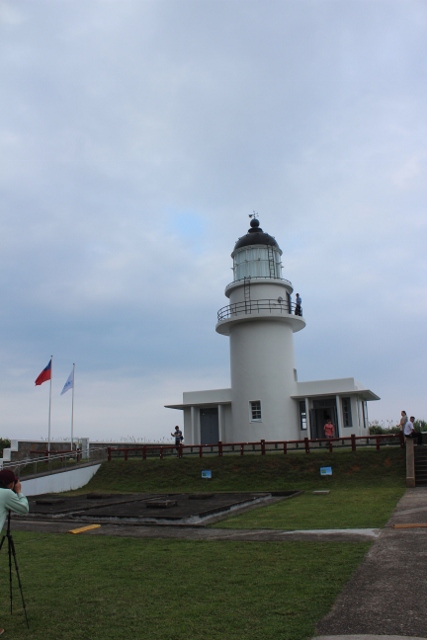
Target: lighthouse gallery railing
{"type": "Point", "coordinates": [258, 306]}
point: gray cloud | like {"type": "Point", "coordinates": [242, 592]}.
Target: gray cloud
{"type": "Point", "coordinates": [135, 139]}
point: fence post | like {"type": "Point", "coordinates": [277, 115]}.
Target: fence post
{"type": "Point", "coordinates": [144, 452]}
{"type": "Point", "coordinates": [200, 451]}
{"type": "Point", "coordinates": [262, 447]}
{"type": "Point", "coordinates": [180, 451]}
{"type": "Point", "coordinates": [220, 447]}
{"type": "Point", "coordinates": [285, 447]}
{"type": "Point", "coordinates": [330, 445]}
{"type": "Point", "coordinates": [378, 443]}
{"type": "Point", "coordinates": [126, 455]}
{"type": "Point", "coordinates": [242, 446]}
{"type": "Point", "coordinates": [402, 439]}
{"type": "Point", "coordinates": [161, 453]}
{"type": "Point", "coordinates": [307, 445]}
{"type": "Point", "coordinates": [109, 454]}
{"type": "Point", "coordinates": [353, 442]}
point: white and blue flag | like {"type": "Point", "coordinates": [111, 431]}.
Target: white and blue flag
{"type": "Point", "coordinates": [69, 384]}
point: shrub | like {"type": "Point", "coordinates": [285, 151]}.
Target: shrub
{"type": "Point", "coordinates": [4, 443]}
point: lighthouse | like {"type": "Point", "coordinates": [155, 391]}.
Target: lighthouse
{"type": "Point", "coordinates": [265, 400]}
{"type": "Point", "coordinates": [261, 320]}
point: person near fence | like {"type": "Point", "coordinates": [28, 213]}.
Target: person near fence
{"type": "Point", "coordinates": [329, 429]}
{"type": "Point", "coordinates": [409, 429]}
{"type": "Point", "coordinates": [298, 305]}
{"type": "Point", "coordinates": [177, 434]}
{"type": "Point", "coordinates": [403, 420]}
{"type": "Point", "coordinates": [11, 498]}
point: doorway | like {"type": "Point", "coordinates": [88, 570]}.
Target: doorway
{"type": "Point", "coordinates": [209, 430]}
{"type": "Point", "coordinates": [323, 410]}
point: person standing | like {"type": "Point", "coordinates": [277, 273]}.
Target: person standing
{"type": "Point", "coordinates": [298, 304]}
{"type": "Point", "coordinates": [11, 498]}
{"type": "Point", "coordinates": [403, 420]}
{"type": "Point", "coordinates": [177, 434]}
{"type": "Point", "coordinates": [329, 429]}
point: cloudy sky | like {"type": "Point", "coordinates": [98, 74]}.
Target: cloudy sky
{"type": "Point", "coordinates": [136, 137]}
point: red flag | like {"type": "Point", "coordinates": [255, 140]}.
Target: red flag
{"type": "Point", "coordinates": [45, 374]}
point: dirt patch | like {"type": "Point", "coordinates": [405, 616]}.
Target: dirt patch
{"type": "Point", "coordinates": [145, 508]}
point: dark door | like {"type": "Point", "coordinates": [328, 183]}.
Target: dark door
{"type": "Point", "coordinates": [209, 433]}
{"type": "Point", "coordinates": [322, 411]}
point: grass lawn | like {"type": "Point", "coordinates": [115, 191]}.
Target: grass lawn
{"type": "Point", "coordinates": [273, 472]}
{"type": "Point", "coordinates": [342, 508]}
{"type": "Point", "coordinates": [90, 587]}
{"type": "Point", "coordinates": [95, 587]}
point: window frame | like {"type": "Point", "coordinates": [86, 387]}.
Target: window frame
{"type": "Point", "coordinates": [303, 416]}
{"type": "Point", "coordinates": [255, 412]}
{"type": "Point", "coordinates": [347, 416]}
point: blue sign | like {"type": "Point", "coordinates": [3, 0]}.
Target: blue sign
{"type": "Point", "coordinates": [206, 474]}
{"type": "Point", "coordinates": [325, 471]}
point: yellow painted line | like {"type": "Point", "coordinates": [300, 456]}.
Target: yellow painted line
{"type": "Point", "coordinates": [414, 525]}
{"type": "Point", "coordinates": [83, 529]}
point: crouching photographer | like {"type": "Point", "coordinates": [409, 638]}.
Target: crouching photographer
{"type": "Point", "coordinates": [11, 499]}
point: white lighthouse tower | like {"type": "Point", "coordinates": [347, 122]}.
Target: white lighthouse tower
{"type": "Point", "coordinates": [265, 400]}
{"type": "Point", "coordinates": [260, 321]}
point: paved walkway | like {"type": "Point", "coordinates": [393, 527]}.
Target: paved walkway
{"type": "Point", "coordinates": [387, 596]}
{"type": "Point", "coordinates": [186, 532]}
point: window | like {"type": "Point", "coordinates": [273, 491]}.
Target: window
{"type": "Point", "coordinates": [346, 412]}
{"type": "Point", "coordinates": [365, 414]}
{"type": "Point", "coordinates": [302, 415]}
{"type": "Point", "coordinates": [256, 411]}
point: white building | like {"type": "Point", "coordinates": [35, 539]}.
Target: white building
{"type": "Point", "coordinates": [265, 400]}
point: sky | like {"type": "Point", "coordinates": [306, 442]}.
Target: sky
{"type": "Point", "coordinates": [137, 136]}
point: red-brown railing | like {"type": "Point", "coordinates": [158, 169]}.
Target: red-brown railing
{"type": "Point", "coordinates": [262, 447]}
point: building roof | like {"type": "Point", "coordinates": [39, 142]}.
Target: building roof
{"type": "Point", "coordinates": [337, 386]}
{"type": "Point", "coordinates": [255, 235]}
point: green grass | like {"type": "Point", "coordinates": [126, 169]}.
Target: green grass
{"type": "Point", "coordinates": [365, 507]}
{"type": "Point", "coordinates": [95, 587]}
{"type": "Point", "coordinates": [91, 587]}
{"type": "Point", "coordinates": [273, 472]}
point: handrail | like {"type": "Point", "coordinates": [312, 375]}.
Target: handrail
{"type": "Point", "coordinates": [48, 457]}
{"type": "Point", "coordinates": [256, 306]}
{"type": "Point", "coordinates": [262, 446]}
{"type": "Point", "coordinates": [263, 277]}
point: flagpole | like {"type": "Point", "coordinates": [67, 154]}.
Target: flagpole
{"type": "Point", "coordinates": [72, 407]}
{"type": "Point", "coordinates": [50, 404]}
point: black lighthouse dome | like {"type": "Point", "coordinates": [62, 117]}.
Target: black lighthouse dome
{"type": "Point", "coordinates": [255, 235]}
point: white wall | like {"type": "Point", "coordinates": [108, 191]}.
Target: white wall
{"type": "Point", "coordinates": [262, 367]}
{"type": "Point", "coordinates": [59, 481]}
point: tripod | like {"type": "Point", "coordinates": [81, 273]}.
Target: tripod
{"type": "Point", "coordinates": [12, 552]}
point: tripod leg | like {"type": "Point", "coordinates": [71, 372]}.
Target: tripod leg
{"type": "Point", "coordinates": [2, 540]}
{"type": "Point", "coordinates": [12, 546]}
{"type": "Point", "coordinates": [10, 573]}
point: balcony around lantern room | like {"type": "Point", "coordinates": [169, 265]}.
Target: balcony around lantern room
{"type": "Point", "coordinates": [261, 309]}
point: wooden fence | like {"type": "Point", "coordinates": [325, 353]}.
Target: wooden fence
{"type": "Point", "coordinates": [261, 447]}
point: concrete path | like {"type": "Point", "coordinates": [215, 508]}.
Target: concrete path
{"type": "Point", "coordinates": [186, 532]}
{"type": "Point", "coordinates": [387, 596]}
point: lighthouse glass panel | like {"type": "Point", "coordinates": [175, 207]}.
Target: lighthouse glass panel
{"type": "Point", "coordinates": [257, 262]}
